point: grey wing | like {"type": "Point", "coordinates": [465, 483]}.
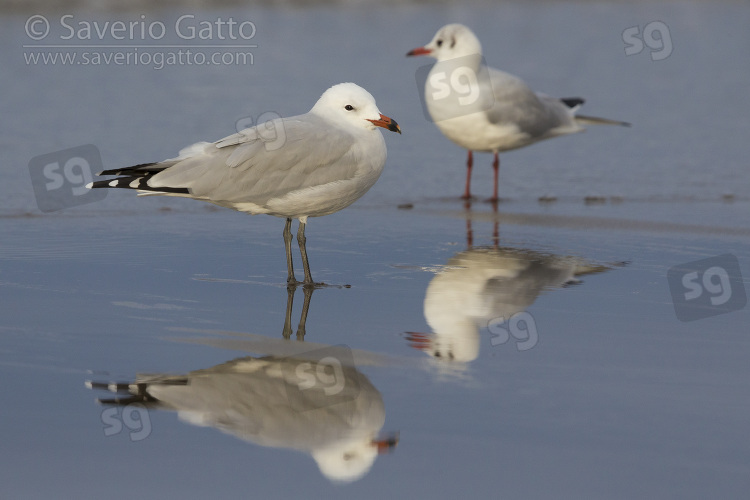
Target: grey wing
{"type": "Point", "coordinates": [516, 104]}
{"type": "Point", "coordinates": [250, 398]}
{"type": "Point", "coordinates": [255, 165]}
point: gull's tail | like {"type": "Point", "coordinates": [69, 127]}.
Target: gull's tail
{"type": "Point", "coordinates": [593, 120]}
{"type": "Point", "coordinates": [586, 269]}
{"type": "Point", "coordinates": [134, 392]}
{"type": "Point", "coordinates": [139, 183]}
{"type": "Point", "coordinates": [137, 177]}
{"type": "Point", "coordinates": [573, 103]}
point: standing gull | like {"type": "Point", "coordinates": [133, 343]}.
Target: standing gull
{"type": "Point", "coordinates": [303, 166]}
{"type": "Point", "coordinates": [505, 115]}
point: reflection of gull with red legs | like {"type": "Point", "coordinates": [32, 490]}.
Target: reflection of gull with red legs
{"type": "Point", "coordinates": [482, 284]}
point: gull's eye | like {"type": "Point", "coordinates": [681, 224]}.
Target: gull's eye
{"type": "Point", "coordinates": [439, 43]}
{"type": "Point", "coordinates": [349, 107]}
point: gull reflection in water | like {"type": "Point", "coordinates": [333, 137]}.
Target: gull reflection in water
{"type": "Point", "coordinates": [314, 401]}
{"type": "Point", "coordinates": [482, 284]}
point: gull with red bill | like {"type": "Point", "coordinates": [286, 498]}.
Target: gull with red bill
{"type": "Point", "coordinates": [298, 167]}
{"type": "Point", "coordinates": [503, 114]}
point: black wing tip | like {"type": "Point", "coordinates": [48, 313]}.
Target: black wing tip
{"type": "Point", "coordinates": [572, 102]}
{"type": "Point", "coordinates": [140, 169]}
{"type": "Point", "coordinates": [138, 183]}
{"type": "Point", "coordinates": [127, 393]}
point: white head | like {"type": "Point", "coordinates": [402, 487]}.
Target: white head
{"type": "Point", "coordinates": [348, 461]}
{"type": "Point", "coordinates": [451, 41]}
{"type": "Point", "coordinates": [351, 104]}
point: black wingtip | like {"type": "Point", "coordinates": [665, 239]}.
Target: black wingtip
{"type": "Point", "coordinates": [138, 183]}
{"type": "Point", "coordinates": [140, 169]}
{"type": "Point", "coordinates": [572, 102]}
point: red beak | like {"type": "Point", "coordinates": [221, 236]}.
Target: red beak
{"type": "Point", "coordinates": [420, 51]}
{"type": "Point", "coordinates": [387, 444]}
{"type": "Point", "coordinates": [386, 123]}
{"type": "Point", "coordinates": [419, 340]}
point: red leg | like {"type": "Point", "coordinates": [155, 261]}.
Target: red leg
{"type": "Point", "coordinates": [496, 227]}
{"type": "Point", "coordinates": [469, 231]}
{"type": "Point", "coordinates": [496, 168]}
{"type": "Point", "coordinates": [469, 164]}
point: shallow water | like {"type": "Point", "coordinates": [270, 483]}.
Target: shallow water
{"type": "Point", "coordinates": [601, 391]}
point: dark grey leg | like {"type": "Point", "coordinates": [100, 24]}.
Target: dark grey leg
{"type": "Point", "coordinates": [308, 291]}
{"type": "Point", "coordinates": [302, 250]}
{"type": "Point", "coordinates": [290, 279]}
{"type": "Point", "coordinates": [287, 332]}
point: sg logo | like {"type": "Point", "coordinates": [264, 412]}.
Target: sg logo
{"type": "Point", "coordinates": [656, 37]}
{"type": "Point", "coordinates": [134, 416]}
{"type": "Point", "coordinates": [270, 130]}
{"type": "Point", "coordinates": [311, 376]}
{"type": "Point", "coordinates": [707, 287]}
{"type": "Point", "coordinates": [463, 81]}
{"type": "Point", "coordinates": [719, 292]}
{"type": "Point", "coordinates": [453, 88]}
{"type": "Point", "coordinates": [59, 179]}
{"type": "Point", "coordinates": [521, 326]}
{"type": "Point", "coordinates": [323, 377]}
{"type": "Point", "coordinates": [76, 171]}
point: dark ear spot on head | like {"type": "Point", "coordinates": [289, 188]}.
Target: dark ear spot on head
{"type": "Point", "coordinates": [453, 41]}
